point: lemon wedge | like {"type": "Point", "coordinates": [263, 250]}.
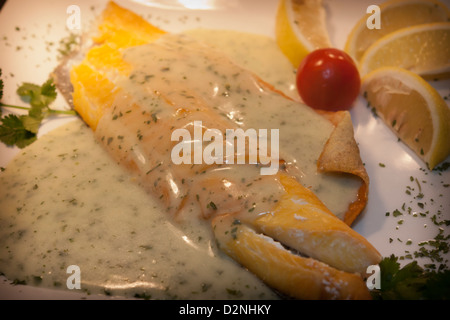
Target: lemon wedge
{"type": "Point", "coordinates": [394, 15]}
{"type": "Point", "coordinates": [423, 49]}
{"type": "Point", "coordinates": [413, 109]}
{"type": "Point", "coordinates": [301, 28]}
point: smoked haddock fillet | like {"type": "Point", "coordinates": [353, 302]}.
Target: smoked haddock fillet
{"type": "Point", "coordinates": [138, 84]}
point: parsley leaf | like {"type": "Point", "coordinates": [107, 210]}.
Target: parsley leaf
{"type": "Point", "coordinates": [31, 123]}
{"type": "Point", "coordinates": [411, 282]}
{"type": "Point", "coordinates": [13, 131]}
{"type": "Point", "coordinates": [1, 89]}
{"type": "Point", "coordinates": [1, 85]}
{"type": "Point", "coordinates": [38, 97]}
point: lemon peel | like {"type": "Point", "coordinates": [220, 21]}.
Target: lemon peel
{"type": "Point", "coordinates": [422, 49]}
{"type": "Point", "coordinates": [412, 109]}
{"type": "Point", "coordinates": [301, 28]}
{"type": "Point", "coordinates": [394, 15]}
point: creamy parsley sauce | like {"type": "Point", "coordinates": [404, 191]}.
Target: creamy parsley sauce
{"type": "Point", "coordinates": [63, 202]}
{"type": "Point", "coordinates": [237, 98]}
{"type": "Point", "coordinates": [262, 57]}
{"type": "Point", "coordinates": [265, 59]}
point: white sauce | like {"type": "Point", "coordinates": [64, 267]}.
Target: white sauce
{"type": "Point", "coordinates": [265, 59]}
{"type": "Point", "coordinates": [63, 202]}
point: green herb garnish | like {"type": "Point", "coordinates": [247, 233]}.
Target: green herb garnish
{"type": "Point", "coordinates": [68, 44]}
{"type": "Point", "coordinates": [411, 282]}
{"type": "Point", "coordinates": [211, 205]}
{"type": "Point", "coordinates": [1, 87]}
{"type": "Point", "coordinates": [21, 130]}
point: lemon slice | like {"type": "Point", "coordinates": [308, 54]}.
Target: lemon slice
{"type": "Point", "coordinates": [394, 15]}
{"type": "Point", "coordinates": [413, 109]}
{"type": "Point", "coordinates": [301, 28]}
{"type": "Point", "coordinates": [422, 49]}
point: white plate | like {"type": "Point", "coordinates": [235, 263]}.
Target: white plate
{"type": "Point", "coordinates": [29, 41]}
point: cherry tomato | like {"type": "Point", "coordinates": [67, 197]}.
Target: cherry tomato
{"type": "Point", "coordinates": [328, 79]}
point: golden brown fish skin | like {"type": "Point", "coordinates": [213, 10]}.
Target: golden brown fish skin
{"type": "Point", "coordinates": [315, 231]}
{"type": "Point", "coordinates": [294, 275]}
{"type": "Point", "coordinates": [341, 155]}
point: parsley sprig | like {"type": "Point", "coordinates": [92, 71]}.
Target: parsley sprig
{"type": "Point", "coordinates": [21, 130]}
{"type": "Point", "coordinates": [411, 282]}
